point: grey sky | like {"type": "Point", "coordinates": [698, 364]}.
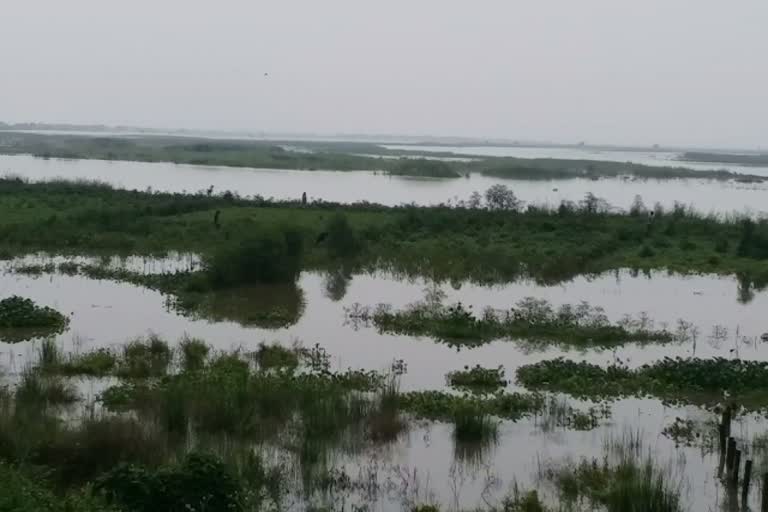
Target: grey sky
{"type": "Point", "coordinates": [640, 72]}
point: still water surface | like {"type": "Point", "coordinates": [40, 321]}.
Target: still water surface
{"type": "Point", "coordinates": [106, 314]}
{"type": "Point", "coordinates": [346, 187]}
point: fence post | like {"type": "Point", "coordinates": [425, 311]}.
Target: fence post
{"type": "Point", "coordinates": [735, 470]}
{"type": "Point", "coordinates": [745, 483]}
{"type": "Point", "coordinates": [729, 456]}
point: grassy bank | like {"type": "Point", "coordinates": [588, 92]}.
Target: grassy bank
{"type": "Point", "coordinates": [439, 242]}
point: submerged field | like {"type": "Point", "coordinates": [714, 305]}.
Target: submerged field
{"type": "Point", "coordinates": [222, 353]}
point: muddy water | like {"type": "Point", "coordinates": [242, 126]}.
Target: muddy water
{"type": "Point", "coordinates": [347, 187]}
{"type": "Point", "coordinates": [106, 314]}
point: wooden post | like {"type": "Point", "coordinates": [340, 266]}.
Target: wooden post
{"type": "Point", "coordinates": [723, 436]}
{"type": "Point", "coordinates": [735, 470]}
{"type": "Point", "coordinates": [764, 502]}
{"type": "Point", "coordinates": [745, 483]}
{"type": "Point", "coordinates": [729, 455]}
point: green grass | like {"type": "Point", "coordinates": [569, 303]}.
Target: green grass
{"type": "Point", "coordinates": [444, 243]}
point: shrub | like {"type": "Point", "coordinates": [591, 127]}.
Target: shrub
{"type": "Point", "coordinates": [193, 354]}
{"type": "Point", "coordinates": [200, 482]}
{"type": "Point", "coordinates": [18, 312]}
{"type": "Point", "coordinates": [647, 252]}
{"type": "Point", "coordinates": [270, 257]}
{"type": "Point", "coordinates": [341, 238]}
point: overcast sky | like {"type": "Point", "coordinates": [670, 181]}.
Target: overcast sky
{"type": "Point", "coordinates": [691, 72]}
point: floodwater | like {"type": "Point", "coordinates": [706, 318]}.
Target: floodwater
{"type": "Point", "coordinates": [347, 187]}
{"type": "Point", "coordinates": [653, 158]}
{"type": "Point", "coordinates": [106, 314]}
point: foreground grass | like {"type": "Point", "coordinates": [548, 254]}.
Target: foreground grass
{"type": "Point", "coordinates": [700, 381]}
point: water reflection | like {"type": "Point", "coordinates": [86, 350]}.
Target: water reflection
{"type": "Point", "coordinates": [336, 282]}
{"type": "Point", "coordinates": [275, 306]}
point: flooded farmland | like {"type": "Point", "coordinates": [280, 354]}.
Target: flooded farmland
{"type": "Point", "coordinates": [107, 314]}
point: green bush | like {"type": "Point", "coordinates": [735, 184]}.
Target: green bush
{"type": "Point", "coordinates": [200, 482]}
{"type": "Point", "coordinates": [341, 238]}
{"type": "Point", "coordinates": [20, 313]}
{"type": "Point", "coordinates": [269, 257]}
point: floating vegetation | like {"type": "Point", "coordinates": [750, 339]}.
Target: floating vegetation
{"type": "Point", "coordinates": [530, 319]}
{"type": "Point", "coordinates": [688, 432]}
{"type": "Point", "coordinates": [440, 405]}
{"type": "Point", "coordinates": [21, 319]}
{"type": "Point", "coordinates": [691, 380]}
{"type": "Point", "coordinates": [478, 379]}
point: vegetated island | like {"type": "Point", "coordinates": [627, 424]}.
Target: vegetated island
{"type": "Point", "coordinates": [759, 160]}
{"type": "Point", "coordinates": [530, 319]}
{"type": "Point", "coordinates": [262, 241]}
{"type": "Point", "coordinates": [339, 156]}
{"type": "Point", "coordinates": [690, 380]}
{"type": "Point", "coordinates": [21, 319]}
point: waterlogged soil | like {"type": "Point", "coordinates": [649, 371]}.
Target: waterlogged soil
{"type": "Point", "coordinates": [348, 187]}
{"type": "Point", "coordinates": [106, 314]}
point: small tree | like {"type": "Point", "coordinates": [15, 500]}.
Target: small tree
{"type": "Point", "coordinates": [475, 200]}
{"type": "Point", "coordinates": [638, 207]}
{"type": "Point", "coordinates": [501, 197]}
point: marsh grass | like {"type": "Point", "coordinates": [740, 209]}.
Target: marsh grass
{"type": "Point", "coordinates": [194, 353]}
{"type": "Point", "coordinates": [473, 425]}
{"type": "Point", "coordinates": [627, 479]}
{"type": "Point", "coordinates": [142, 358]}
{"type": "Point", "coordinates": [37, 391]}
{"type": "Point", "coordinates": [385, 422]}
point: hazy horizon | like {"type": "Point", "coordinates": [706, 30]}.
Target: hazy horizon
{"type": "Point", "coordinates": [682, 74]}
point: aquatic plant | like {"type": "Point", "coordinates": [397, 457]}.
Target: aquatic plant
{"type": "Point", "coordinates": [625, 480]}
{"type": "Point", "coordinates": [144, 358]}
{"type": "Point", "coordinates": [478, 379]}
{"type": "Point", "coordinates": [97, 363]}
{"type": "Point", "coordinates": [531, 319]}
{"type": "Point", "coordinates": [677, 379]}
{"type": "Point", "coordinates": [21, 319]}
